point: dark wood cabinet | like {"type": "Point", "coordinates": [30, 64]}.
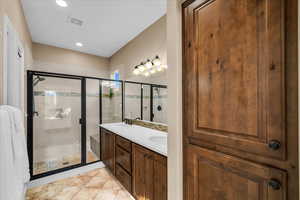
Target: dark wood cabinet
{"type": "Point", "coordinates": [108, 149]}
{"type": "Point", "coordinates": [123, 158]}
{"type": "Point", "coordinates": [141, 171]}
{"type": "Point", "coordinates": [124, 177]}
{"type": "Point", "coordinates": [240, 100]}
{"type": "Point", "coordinates": [149, 175]}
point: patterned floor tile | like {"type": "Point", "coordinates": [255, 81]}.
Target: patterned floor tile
{"type": "Point", "coordinates": [98, 184]}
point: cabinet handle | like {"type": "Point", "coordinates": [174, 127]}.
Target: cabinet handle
{"type": "Point", "coordinates": [274, 184]}
{"type": "Point", "coordinates": [274, 145]}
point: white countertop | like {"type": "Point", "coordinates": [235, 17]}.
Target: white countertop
{"type": "Point", "coordinates": [152, 139]}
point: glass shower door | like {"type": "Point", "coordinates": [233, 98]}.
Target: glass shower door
{"type": "Point", "coordinates": [56, 113]}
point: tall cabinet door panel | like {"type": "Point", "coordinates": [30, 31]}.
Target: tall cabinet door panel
{"type": "Point", "coordinates": [142, 173]}
{"type": "Point", "coordinates": [213, 175]}
{"type": "Point", "coordinates": [234, 75]}
{"type": "Point", "coordinates": [160, 182]}
{"type": "Point", "coordinates": [149, 174]}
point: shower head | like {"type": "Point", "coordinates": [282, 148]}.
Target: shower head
{"type": "Point", "coordinates": [37, 80]}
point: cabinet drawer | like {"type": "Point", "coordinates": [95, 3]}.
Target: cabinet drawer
{"type": "Point", "coordinates": [123, 177]}
{"type": "Point", "coordinates": [125, 144]}
{"type": "Point", "coordinates": [123, 158]}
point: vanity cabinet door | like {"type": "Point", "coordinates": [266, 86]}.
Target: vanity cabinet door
{"type": "Point", "coordinates": [108, 149]}
{"type": "Point", "coordinates": [142, 174]}
{"type": "Point", "coordinates": [149, 175]}
{"type": "Point", "coordinates": [160, 177]}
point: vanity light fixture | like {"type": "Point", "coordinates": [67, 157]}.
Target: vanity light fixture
{"type": "Point", "coordinates": [149, 67]}
{"type": "Point", "coordinates": [79, 44]}
{"type": "Point", "coordinates": [149, 64]}
{"type": "Point", "coordinates": [141, 67]}
{"type": "Point", "coordinates": [156, 61]}
{"type": "Point", "coordinates": [62, 3]}
{"type": "Point", "coordinates": [136, 70]}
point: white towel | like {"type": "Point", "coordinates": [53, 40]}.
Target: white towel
{"type": "Point", "coordinates": [13, 130]}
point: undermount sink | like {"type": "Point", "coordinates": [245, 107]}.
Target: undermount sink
{"type": "Point", "coordinates": [158, 139]}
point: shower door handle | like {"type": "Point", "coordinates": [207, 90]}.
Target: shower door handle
{"type": "Point", "coordinates": [80, 121]}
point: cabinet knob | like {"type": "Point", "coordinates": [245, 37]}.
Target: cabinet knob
{"type": "Point", "coordinates": [274, 144]}
{"type": "Point", "coordinates": [274, 184]}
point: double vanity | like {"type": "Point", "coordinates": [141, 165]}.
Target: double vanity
{"type": "Point", "coordinates": [137, 157]}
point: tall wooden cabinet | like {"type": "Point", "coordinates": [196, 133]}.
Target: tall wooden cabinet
{"type": "Point", "coordinates": [238, 135]}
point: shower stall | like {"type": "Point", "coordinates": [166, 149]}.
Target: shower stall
{"type": "Point", "coordinates": [64, 113]}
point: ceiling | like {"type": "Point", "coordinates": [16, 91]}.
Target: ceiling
{"type": "Point", "coordinates": [107, 25]}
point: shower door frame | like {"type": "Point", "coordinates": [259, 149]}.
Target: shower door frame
{"type": "Point", "coordinates": [82, 120]}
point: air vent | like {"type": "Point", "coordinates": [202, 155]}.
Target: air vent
{"type": "Point", "coordinates": [75, 21]}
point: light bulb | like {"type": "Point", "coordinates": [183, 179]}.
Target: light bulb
{"type": "Point", "coordinates": [159, 69]}
{"type": "Point", "coordinates": [62, 3]}
{"type": "Point", "coordinates": [141, 68]}
{"type": "Point", "coordinates": [156, 61]}
{"type": "Point", "coordinates": [149, 64]}
{"type": "Point", "coordinates": [79, 44]}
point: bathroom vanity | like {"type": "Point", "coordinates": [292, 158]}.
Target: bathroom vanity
{"type": "Point", "coordinates": [137, 157]}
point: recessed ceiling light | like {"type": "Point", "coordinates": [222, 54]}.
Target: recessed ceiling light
{"type": "Point", "coordinates": [79, 44]}
{"type": "Point", "coordinates": [62, 3]}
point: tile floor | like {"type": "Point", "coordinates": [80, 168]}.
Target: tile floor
{"type": "Point", "coordinates": [42, 167]}
{"type": "Point", "coordinates": [98, 184]}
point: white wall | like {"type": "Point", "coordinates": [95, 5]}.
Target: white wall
{"type": "Point", "coordinates": [13, 9]}
{"type": "Point", "coordinates": [59, 60]}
